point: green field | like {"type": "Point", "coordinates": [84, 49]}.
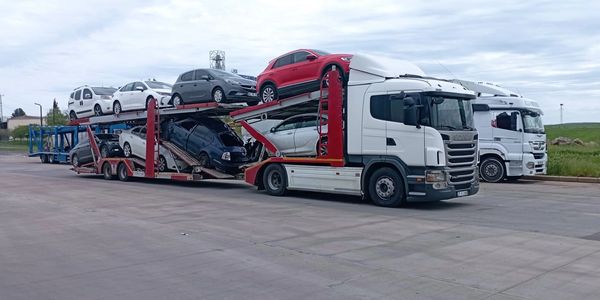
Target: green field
{"type": "Point", "coordinates": [14, 146]}
{"type": "Point", "coordinates": [573, 160]}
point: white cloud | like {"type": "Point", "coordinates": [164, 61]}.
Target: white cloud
{"type": "Point", "coordinates": [547, 51]}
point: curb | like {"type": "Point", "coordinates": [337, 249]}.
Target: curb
{"type": "Point", "coordinates": [564, 178]}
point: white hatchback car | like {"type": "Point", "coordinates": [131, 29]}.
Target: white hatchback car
{"type": "Point", "coordinates": [135, 95]}
{"type": "Point", "coordinates": [133, 143]}
{"type": "Point", "coordinates": [86, 101]}
{"type": "Point", "coordinates": [298, 136]}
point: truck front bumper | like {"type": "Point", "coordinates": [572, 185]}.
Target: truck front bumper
{"type": "Point", "coordinates": [424, 192]}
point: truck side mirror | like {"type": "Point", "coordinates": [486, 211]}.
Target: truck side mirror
{"type": "Point", "coordinates": [410, 112]}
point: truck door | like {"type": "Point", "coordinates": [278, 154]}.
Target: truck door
{"type": "Point", "coordinates": [404, 141]}
{"type": "Point", "coordinates": [505, 128]}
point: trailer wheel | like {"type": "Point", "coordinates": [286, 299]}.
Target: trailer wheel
{"type": "Point", "coordinates": [275, 180]}
{"type": "Point", "coordinates": [492, 170]}
{"type": "Point", "coordinates": [44, 158]}
{"type": "Point", "coordinates": [386, 188]}
{"type": "Point", "coordinates": [106, 171]}
{"type": "Point", "coordinates": [51, 159]}
{"type": "Point", "coordinates": [122, 172]}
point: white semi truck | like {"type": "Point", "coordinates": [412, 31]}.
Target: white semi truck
{"type": "Point", "coordinates": [512, 140]}
{"type": "Point", "coordinates": [393, 135]}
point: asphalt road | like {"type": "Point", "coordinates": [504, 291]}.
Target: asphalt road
{"type": "Point", "coordinates": [64, 236]}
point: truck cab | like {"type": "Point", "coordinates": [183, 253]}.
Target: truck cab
{"type": "Point", "coordinates": [512, 138]}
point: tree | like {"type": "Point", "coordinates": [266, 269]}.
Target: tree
{"type": "Point", "coordinates": [21, 132]}
{"type": "Point", "coordinates": [19, 112]}
{"type": "Point", "coordinates": [55, 116]}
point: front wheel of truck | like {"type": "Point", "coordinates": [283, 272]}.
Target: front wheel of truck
{"type": "Point", "coordinates": [386, 188]}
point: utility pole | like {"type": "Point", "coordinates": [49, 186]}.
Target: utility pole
{"type": "Point", "coordinates": [1, 111]}
{"type": "Point", "coordinates": [561, 114]}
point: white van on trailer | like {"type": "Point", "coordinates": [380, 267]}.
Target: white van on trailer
{"type": "Point", "coordinates": [394, 135]}
{"type": "Point", "coordinates": [512, 140]}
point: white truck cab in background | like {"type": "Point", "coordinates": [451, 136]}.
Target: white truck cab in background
{"type": "Point", "coordinates": [512, 139]}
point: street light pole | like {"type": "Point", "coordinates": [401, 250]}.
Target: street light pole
{"type": "Point", "coordinates": [41, 118]}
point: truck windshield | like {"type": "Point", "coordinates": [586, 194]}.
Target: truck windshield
{"type": "Point", "coordinates": [448, 113]}
{"type": "Point", "coordinates": [532, 122]}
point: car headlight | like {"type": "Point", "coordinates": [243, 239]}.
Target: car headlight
{"type": "Point", "coordinates": [435, 176]}
{"type": "Point", "coordinates": [234, 82]}
{"type": "Point", "coordinates": [226, 156]}
{"type": "Point", "coordinates": [346, 59]}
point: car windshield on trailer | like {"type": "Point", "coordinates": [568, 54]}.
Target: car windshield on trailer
{"type": "Point", "coordinates": [104, 90]}
{"type": "Point", "coordinates": [230, 140]}
{"type": "Point", "coordinates": [320, 52]}
{"type": "Point", "coordinates": [158, 85]}
{"type": "Point", "coordinates": [224, 74]}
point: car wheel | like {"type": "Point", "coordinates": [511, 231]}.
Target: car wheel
{"type": "Point", "coordinates": [177, 100]}
{"type": "Point", "coordinates": [325, 76]}
{"type": "Point", "coordinates": [492, 170]}
{"type": "Point", "coordinates": [75, 160]}
{"type": "Point", "coordinates": [322, 147]}
{"type": "Point", "coordinates": [148, 101]}
{"type": "Point", "coordinates": [268, 93]}
{"type": "Point", "coordinates": [122, 172]}
{"type": "Point", "coordinates": [97, 110]}
{"type": "Point", "coordinates": [204, 160]}
{"type": "Point", "coordinates": [107, 171]}
{"type": "Point", "coordinates": [117, 108]}
{"type": "Point", "coordinates": [104, 152]}
{"type": "Point", "coordinates": [275, 180]}
{"type": "Point", "coordinates": [127, 150]}
{"type": "Point", "coordinates": [386, 188]}
{"type": "Point", "coordinates": [218, 95]}
{"type": "Point", "coordinates": [72, 116]}
{"type": "Point", "coordinates": [162, 164]}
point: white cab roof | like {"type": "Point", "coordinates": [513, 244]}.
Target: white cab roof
{"type": "Point", "coordinates": [383, 66]}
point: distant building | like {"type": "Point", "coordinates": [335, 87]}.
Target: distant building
{"type": "Point", "coordinates": [15, 122]}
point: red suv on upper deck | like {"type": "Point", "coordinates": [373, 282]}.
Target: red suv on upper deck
{"type": "Point", "coordinates": [297, 72]}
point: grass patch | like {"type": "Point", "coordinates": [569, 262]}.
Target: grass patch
{"type": "Point", "coordinates": [14, 146]}
{"type": "Point", "coordinates": [573, 160]}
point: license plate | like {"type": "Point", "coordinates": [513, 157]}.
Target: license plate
{"type": "Point", "coordinates": [252, 94]}
{"type": "Point", "coordinates": [462, 193]}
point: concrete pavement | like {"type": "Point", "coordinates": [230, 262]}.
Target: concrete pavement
{"type": "Point", "coordinates": [64, 236]}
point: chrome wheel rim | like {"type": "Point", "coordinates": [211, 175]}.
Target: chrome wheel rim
{"type": "Point", "coordinates": [385, 187]}
{"type": "Point", "coordinates": [127, 150]}
{"type": "Point", "coordinates": [97, 110]}
{"type": "Point", "coordinates": [117, 108]}
{"type": "Point", "coordinates": [268, 94]}
{"type": "Point", "coordinates": [218, 96]}
{"type": "Point", "coordinates": [161, 164]}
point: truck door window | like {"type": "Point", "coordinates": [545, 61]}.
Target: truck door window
{"type": "Point", "coordinates": [387, 108]}
{"type": "Point", "coordinates": [504, 121]}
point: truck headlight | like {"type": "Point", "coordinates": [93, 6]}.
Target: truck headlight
{"type": "Point", "coordinates": [226, 156]}
{"type": "Point", "coordinates": [530, 165]}
{"type": "Point", "coordinates": [435, 176]}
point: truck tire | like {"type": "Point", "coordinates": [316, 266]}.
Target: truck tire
{"type": "Point", "coordinates": [386, 188]}
{"type": "Point", "coordinates": [107, 171]}
{"type": "Point", "coordinates": [122, 172]}
{"type": "Point", "coordinates": [492, 170]}
{"type": "Point", "coordinates": [275, 180]}
{"type": "Point", "coordinates": [44, 158]}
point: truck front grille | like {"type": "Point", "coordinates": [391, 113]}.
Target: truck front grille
{"type": "Point", "coordinates": [462, 161]}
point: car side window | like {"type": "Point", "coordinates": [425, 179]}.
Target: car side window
{"type": "Point", "coordinates": [200, 73]}
{"type": "Point", "coordinates": [127, 87]}
{"type": "Point", "coordinates": [135, 130]}
{"type": "Point", "coordinates": [87, 94]}
{"type": "Point", "coordinates": [72, 95]}
{"type": "Point", "coordinates": [78, 95]}
{"type": "Point", "coordinates": [143, 132]}
{"type": "Point", "coordinates": [138, 84]}
{"type": "Point", "coordinates": [284, 61]}
{"type": "Point", "coordinates": [189, 76]}
{"type": "Point", "coordinates": [310, 121]}
{"type": "Point", "coordinates": [300, 56]}
{"type": "Point", "coordinates": [287, 125]}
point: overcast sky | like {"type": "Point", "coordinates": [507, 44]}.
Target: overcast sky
{"type": "Point", "coordinates": [546, 50]}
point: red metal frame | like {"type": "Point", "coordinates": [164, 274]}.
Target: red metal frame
{"type": "Point", "coordinates": [151, 138]}
{"type": "Point", "coordinates": [198, 105]}
{"type": "Point", "coordinates": [259, 137]}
